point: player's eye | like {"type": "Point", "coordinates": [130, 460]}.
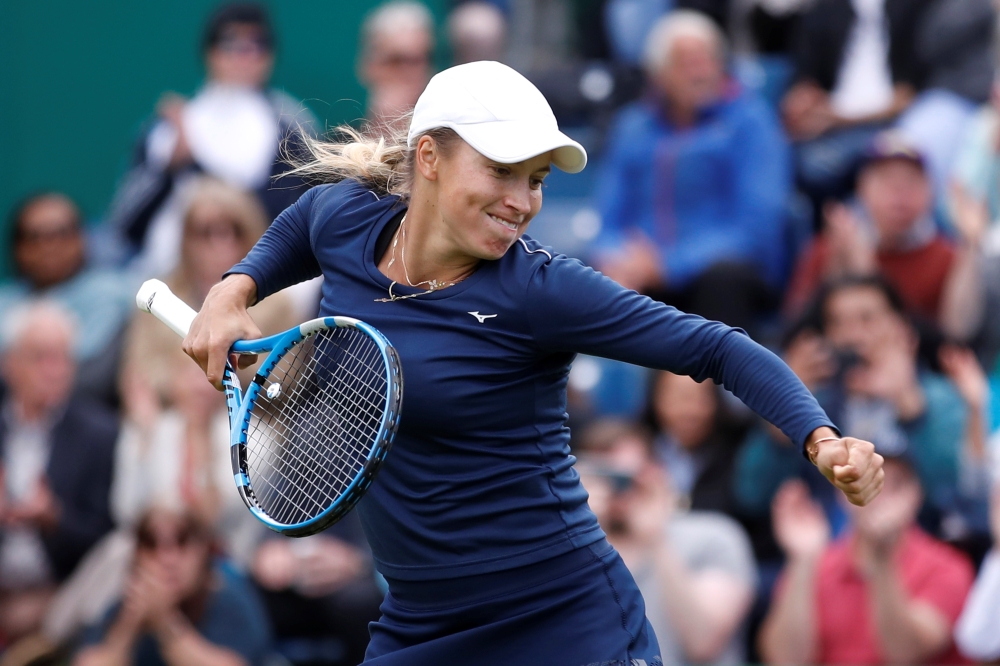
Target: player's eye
{"type": "Point", "coordinates": [501, 170]}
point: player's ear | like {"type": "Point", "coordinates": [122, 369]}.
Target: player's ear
{"type": "Point", "coordinates": [428, 157]}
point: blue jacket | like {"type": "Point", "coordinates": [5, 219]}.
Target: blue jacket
{"type": "Point", "coordinates": [710, 193]}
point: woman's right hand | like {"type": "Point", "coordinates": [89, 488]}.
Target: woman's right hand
{"type": "Point", "coordinates": [222, 321]}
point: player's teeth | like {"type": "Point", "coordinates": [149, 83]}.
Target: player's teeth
{"type": "Point", "coordinates": [509, 225]}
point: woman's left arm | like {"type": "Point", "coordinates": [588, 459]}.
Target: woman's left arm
{"type": "Point", "coordinates": [572, 308]}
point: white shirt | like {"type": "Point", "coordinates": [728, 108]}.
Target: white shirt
{"type": "Point", "coordinates": [149, 468]}
{"type": "Point", "coordinates": [233, 135]}
{"type": "Point", "coordinates": [864, 82]}
{"type": "Point", "coordinates": [23, 561]}
{"type": "Point", "coordinates": [977, 632]}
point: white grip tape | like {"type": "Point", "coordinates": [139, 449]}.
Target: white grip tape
{"type": "Point", "coordinates": [157, 299]}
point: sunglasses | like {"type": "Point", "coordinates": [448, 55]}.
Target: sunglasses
{"type": "Point", "coordinates": [147, 540]}
{"type": "Point", "coordinates": [60, 234]}
{"type": "Point", "coordinates": [405, 59]}
{"type": "Point", "coordinates": [208, 232]}
{"type": "Point", "coordinates": [243, 46]}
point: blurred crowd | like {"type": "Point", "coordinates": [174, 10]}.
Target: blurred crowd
{"type": "Point", "coordinates": [824, 174]}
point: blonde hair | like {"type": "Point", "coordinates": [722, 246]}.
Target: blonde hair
{"type": "Point", "coordinates": [242, 209]}
{"type": "Point", "coordinates": [376, 156]}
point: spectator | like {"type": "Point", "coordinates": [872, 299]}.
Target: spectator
{"type": "Point", "coordinates": [694, 441]}
{"type": "Point", "coordinates": [233, 129]}
{"type": "Point", "coordinates": [477, 30]}
{"type": "Point", "coordinates": [884, 593]}
{"type": "Point", "coordinates": [695, 181]}
{"type": "Point", "coordinates": [321, 589]}
{"type": "Point", "coordinates": [397, 41]}
{"type": "Point", "coordinates": [955, 51]}
{"type": "Point", "coordinates": [627, 24]}
{"type": "Point", "coordinates": [57, 455]}
{"type": "Point", "coordinates": [695, 569]}
{"type": "Point", "coordinates": [179, 608]}
{"type": "Point", "coordinates": [976, 632]}
{"type": "Point", "coordinates": [50, 257]}
{"type": "Point", "coordinates": [892, 232]}
{"type": "Point", "coordinates": [766, 460]}
{"type": "Point", "coordinates": [866, 375]}
{"type": "Point", "coordinates": [975, 209]}
{"type": "Point", "coordinates": [219, 227]}
{"type": "Point", "coordinates": [855, 70]}
{"type": "Point", "coordinates": [179, 458]}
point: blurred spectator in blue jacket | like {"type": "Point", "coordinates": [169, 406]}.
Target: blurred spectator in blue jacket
{"type": "Point", "coordinates": [57, 456]}
{"type": "Point", "coordinates": [234, 128]}
{"type": "Point", "coordinates": [695, 181]}
{"type": "Point", "coordinates": [50, 257]}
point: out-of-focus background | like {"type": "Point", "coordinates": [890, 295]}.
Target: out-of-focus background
{"type": "Point", "coordinates": [80, 80]}
{"type": "Point", "coordinates": [824, 174]}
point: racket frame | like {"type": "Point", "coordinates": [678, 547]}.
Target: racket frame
{"type": "Point", "coordinates": [240, 408]}
{"type": "Point", "coordinates": [156, 298]}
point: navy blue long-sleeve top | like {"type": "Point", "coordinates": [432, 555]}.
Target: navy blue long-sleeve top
{"type": "Point", "coordinates": [480, 476]}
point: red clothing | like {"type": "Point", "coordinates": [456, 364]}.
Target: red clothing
{"type": "Point", "coordinates": [931, 571]}
{"type": "Point", "coordinates": [918, 275]}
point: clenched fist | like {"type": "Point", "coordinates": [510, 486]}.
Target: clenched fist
{"type": "Point", "coordinates": [850, 464]}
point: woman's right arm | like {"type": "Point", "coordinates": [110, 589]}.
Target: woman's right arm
{"type": "Point", "coordinates": [282, 257]}
{"type": "Point", "coordinates": [573, 309]}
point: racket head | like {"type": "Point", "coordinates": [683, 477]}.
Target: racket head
{"type": "Point", "coordinates": [316, 422]}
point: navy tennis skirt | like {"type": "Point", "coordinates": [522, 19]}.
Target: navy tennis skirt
{"type": "Point", "coordinates": [578, 609]}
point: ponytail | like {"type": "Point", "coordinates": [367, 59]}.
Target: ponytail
{"type": "Point", "coordinates": [376, 156]}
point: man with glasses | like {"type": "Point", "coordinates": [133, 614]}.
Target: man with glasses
{"type": "Point", "coordinates": [234, 128]}
{"type": "Point", "coordinates": [395, 64]}
{"type": "Point", "coordinates": [56, 459]}
{"type": "Point", "coordinates": [50, 257]}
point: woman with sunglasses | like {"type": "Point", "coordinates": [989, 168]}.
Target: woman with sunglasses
{"type": "Point", "coordinates": [478, 520]}
{"type": "Point", "coordinates": [177, 608]}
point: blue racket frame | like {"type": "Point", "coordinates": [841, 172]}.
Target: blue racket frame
{"type": "Point", "coordinates": [240, 406]}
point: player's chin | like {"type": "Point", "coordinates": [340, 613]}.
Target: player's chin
{"type": "Point", "coordinates": [496, 247]}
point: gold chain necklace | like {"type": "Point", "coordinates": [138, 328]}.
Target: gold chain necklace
{"type": "Point", "coordinates": [432, 285]}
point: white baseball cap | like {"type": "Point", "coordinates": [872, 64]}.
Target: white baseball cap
{"type": "Point", "coordinates": [496, 111]}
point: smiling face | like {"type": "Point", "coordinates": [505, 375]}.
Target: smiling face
{"type": "Point", "coordinates": [483, 206]}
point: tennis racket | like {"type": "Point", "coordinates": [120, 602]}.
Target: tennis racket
{"type": "Point", "coordinates": [317, 420]}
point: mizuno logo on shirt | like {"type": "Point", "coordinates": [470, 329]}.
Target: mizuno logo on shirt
{"type": "Point", "coordinates": [481, 317]}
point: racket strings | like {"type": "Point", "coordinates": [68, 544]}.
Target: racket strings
{"type": "Point", "coordinates": [310, 465]}
{"type": "Point", "coordinates": [314, 423]}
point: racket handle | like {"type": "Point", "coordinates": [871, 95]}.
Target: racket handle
{"type": "Point", "coordinates": [156, 298]}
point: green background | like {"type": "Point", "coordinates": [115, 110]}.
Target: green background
{"type": "Point", "coordinates": [77, 80]}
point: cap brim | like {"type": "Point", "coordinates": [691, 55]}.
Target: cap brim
{"type": "Point", "coordinates": [512, 141]}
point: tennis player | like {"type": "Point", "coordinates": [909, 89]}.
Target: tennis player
{"type": "Point", "coordinates": [478, 520]}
